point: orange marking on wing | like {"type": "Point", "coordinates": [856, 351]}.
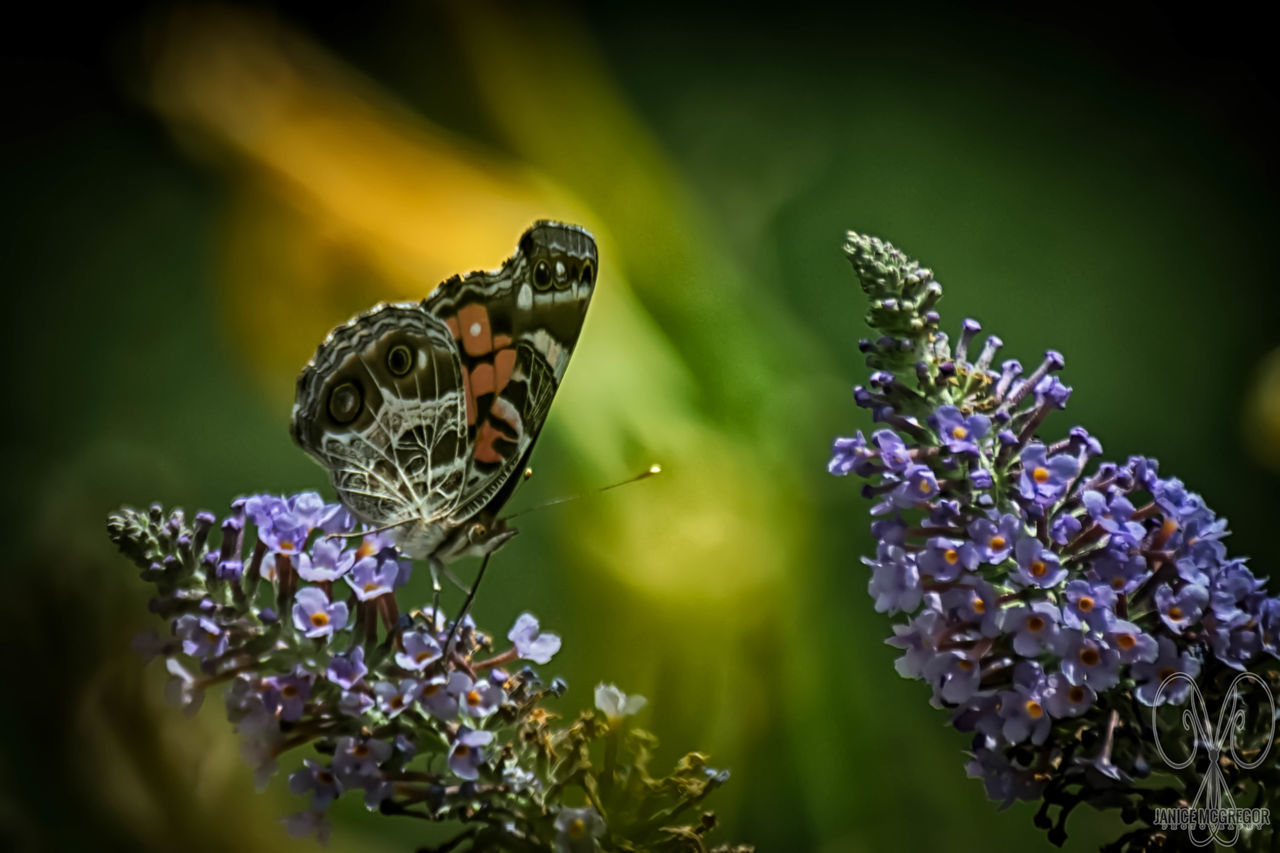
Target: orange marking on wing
{"type": "Point", "coordinates": [470, 397]}
{"type": "Point", "coordinates": [477, 338]}
{"type": "Point", "coordinates": [452, 323]}
{"type": "Point", "coordinates": [504, 362]}
{"type": "Point", "coordinates": [485, 437]}
{"type": "Point", "coordinates": [501, 341]}
{"type": "Point", "coordinates": [482, 379]}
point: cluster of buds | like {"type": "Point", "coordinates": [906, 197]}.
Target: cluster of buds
{"type": "Point", "coordinates": [422, 716]}
{"type": "Point", "coordinates": [1051, 602]}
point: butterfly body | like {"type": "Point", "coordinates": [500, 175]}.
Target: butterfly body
{"type": "Point", "coordinates": [424, 414]}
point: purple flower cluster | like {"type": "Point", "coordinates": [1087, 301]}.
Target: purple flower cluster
{"type": "Point", "coordinates": [420, 715]}
{"type": "Point", "coordinates": [1038, 590]}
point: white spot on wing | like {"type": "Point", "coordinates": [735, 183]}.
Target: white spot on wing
{"type": "Point", "coordinates": [474, 330]}
{"type": "Point", "coordinates": [524, 298]}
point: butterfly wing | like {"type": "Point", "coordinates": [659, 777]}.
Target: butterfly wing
{"type": "Point", "coordinates": [423, 413]}
{"type": "Point", "coordinates": [382, 407]}
{"type": "Point", "coordinates": [515, 330]}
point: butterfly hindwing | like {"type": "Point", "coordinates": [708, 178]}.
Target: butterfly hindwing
{"type": "Point", "coordinates": [381, 407]}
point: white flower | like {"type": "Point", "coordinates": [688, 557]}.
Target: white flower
{"type": "Point", "coordinates": [615, 704]}
{"type": "Point", "coordinates": [578, 829]}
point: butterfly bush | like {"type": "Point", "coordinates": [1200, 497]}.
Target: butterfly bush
{"type": "Point", "coordinates": [420, 716]}
{"type": "Point", "coordinates": [1043, 595]}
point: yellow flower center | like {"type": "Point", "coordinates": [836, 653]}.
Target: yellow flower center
{"type": "Point", "coordinates": [979, 606]}
{"type": "Point", "coordinates": [1175, 613]}
{"type": "Point", "coordinates": [288, 691]}
{"type": "Point", "coordinates": [997, 542]}
{"type": "Point", "coordinates": [1035, 624]}
{"type": "Point", "coordinates": [924, 487]}
{"type": "Point", "coordinates": [473, 698]}
{"type": "Point", "coordinates": [959, 433]}
{"type": "Point", "coordinates": [1038, 568]}
{"type": "Point", "coordinates": [421, 657]}
{"type": "Point", "coordinates": [1040, 474]}
{"type": "Point", "coordinates": [1076, 694]}
{"type": "Point", "coordinates": [319, 618]}
{"type": "Point", "coordinates": [1126, 641]}
{"type": "Point", "coordinates": [966, 664]}
{"type": "Point", "coordinates": [1034, 711]}
{"type": "Point", "coordinates": [951, 556]}
{"type": "Point", "coordinates": [577, 828]}
{"type": "Point", "coordinates": [1085, 603]}
{"type": "Point", "coordinates": [370, 586]}
{"type": "Point", "coordinates": [462, 750]}
{"type": "Point", "coordinates": [1090, 657]}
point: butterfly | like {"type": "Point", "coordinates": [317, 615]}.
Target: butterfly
{"type": "Point", "coordinates": [425, 413]}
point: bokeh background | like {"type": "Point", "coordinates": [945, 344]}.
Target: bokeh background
{"type": "Point", "coordinates": [193, 195]}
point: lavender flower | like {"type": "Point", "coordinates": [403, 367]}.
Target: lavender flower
{"type": "Point", "coordinates": [1045, 591]}
{"type": "Point", "coordinates": [315, 616]}
{"type": "Point", "coordinates": [373, 694]}
{"type": "Point", "coordinates": [467, 754]}
{"type": "Point", "coordinates": [529, 643]}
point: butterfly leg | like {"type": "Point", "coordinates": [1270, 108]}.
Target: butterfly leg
{"type": "Point", "coordinates": [466, 606]}
{"type": "Point", "coordinates": [436, 568]}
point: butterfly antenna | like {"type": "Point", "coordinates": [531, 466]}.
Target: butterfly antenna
{"type": "Point", "coordinates": [643, 475]}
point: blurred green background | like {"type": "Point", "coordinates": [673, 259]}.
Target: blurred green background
{"type": "Point", "coordinates": [194, 195]}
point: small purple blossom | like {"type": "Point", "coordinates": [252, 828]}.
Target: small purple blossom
{"type": "Point", "coordinates": [1064, 699]}
{"type": "Point", "coordinates": [347, 670]}
{"type": "Point", "coordinates": [1034, 626]}
{"type": "Point", "coordinates": [394, 699]}
{"type": "Point", "coordinates": [1037, 565]}
{"type": "Point", "coordinates": [287, 695]}
{"type": "Point", "coordinates": [326, 561]}
{"type": "Point", "coordinates": [440, 694]}
{"type": "Point", "coordinates": [1182, 608]}
{"type": "Point", "coordinates": [918, 485]}
{"type": "Point", "coordinates": [478, 699]}
{"type": "Point", "coordinates": [318, 779]}
{"type": "Point", "coordinates": [1088, 605]}
{"type": "Point", "coordinates": [892, 451]}
{"type": "Point", "coordinates": [895, 580]}
{"type": "Point", "coordinates": [374, 576]}
{"type": "Point", "coordinates": [959, 433]}
{"type": "Point", "coordinates": [954, 675]}
{"type": "Point", "coordinates": [1045, 480]}
{"type": "Point", "coordinates": [1151, 674]}
{"type": "Point", "coordinates": [418, 651]}
{"type": "Point", "coordinates": [467, 754]}
{"type": "Point", "coordinates": [995, 539]}
{"type": "Point", "coordinates": [201, 636]}
{"type": "Point", "coordinates": [944, 559]}
{"type": "Point", "coordinates": [529, 643]}
{"type": "Point", "coordinates": [356, 760]}
{"type": "Point", "coordinates": [314, 616]}
{"type": "Point", "coordinates": [1087, 660]}
{"type": "Point", "coordinates": [1022, 708]}
{"type": "Point", "coordinates": [850, 454]}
